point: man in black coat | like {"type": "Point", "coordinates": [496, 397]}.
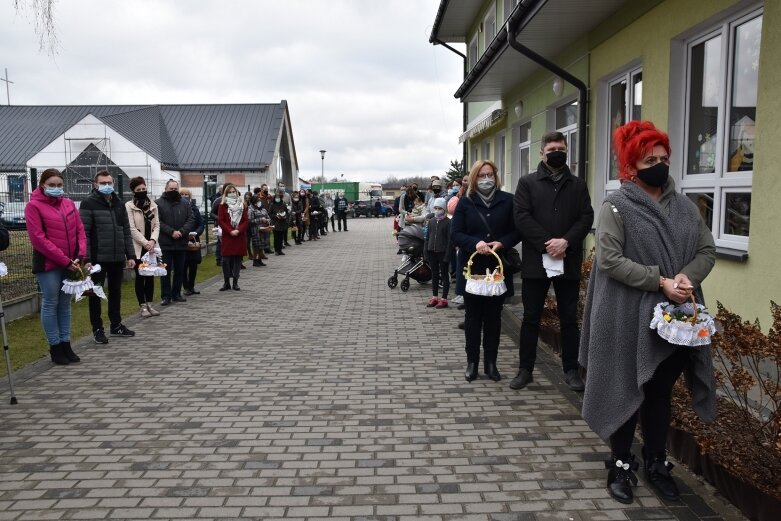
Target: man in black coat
{"type": "Point", "coordinates": [176, 223]}
{"type": "Point", "coordinates": [109, 244]}
{"type": "Point", "coordinates": [552, 211]}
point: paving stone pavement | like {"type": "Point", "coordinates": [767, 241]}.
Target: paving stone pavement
{"type": "Point", "coordinates": [316, 392]}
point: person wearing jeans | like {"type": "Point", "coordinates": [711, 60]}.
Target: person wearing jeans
{"type": "Point", "coordinates": [176, 222]}
{"type": "Point", "coordinates": [109, 244]}
{"type": "Point", "coordinates": [58, 240]}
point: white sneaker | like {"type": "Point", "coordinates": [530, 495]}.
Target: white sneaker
{"type": "Point", "coordinates": [458, 299]}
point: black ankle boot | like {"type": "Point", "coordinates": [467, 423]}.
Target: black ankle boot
{"type": "Point", "coordinates": [492, 372]}
{"type": "Point", "coordinates": [471, 371]}
{"type": "Point", "coordinates": [621, 477]}
{"type": "Point", "coordinates": [67, 350]}
{"type": "Point", "coordinates": [226, 285]}
{"type": "Point", "coordinates": [58, 356]}
{"type": "Point", "coordinates": [657, 471]}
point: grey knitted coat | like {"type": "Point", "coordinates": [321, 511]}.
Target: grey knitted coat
{"type": "Point", "coordinates": [618, 348]}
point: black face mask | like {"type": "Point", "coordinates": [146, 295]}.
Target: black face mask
{"type": "Point", "coordinates": [436, 190]}
{"type": "Point", "coordinates": [556, 159]}
{"type": "Point", "coordinates": [654, 175]}
{"type": "Point", "coordinates": [173, 195]}
{"type": "Point", "coordinates": [140, 195]}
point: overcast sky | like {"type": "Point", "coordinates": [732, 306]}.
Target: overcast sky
{"type": "Point", "coordinates": [360, 77]}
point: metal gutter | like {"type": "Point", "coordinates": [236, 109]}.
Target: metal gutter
{"type": "Point", "coordinates": [513, 28]}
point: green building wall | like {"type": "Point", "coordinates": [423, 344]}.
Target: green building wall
{"type": "Point", "coordinates": [643, 33]}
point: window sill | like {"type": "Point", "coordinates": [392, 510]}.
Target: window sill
{"type": "Point", "coordinates": [731, 254]}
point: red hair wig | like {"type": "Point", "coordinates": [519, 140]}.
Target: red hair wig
{"type": "Point", "coordinates": [633, 141]}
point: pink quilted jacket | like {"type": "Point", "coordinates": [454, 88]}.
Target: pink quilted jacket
{"type": "Point", "coordinates": [55, 229]}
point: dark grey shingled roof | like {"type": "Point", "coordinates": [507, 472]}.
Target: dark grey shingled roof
{"type": "Point", "coordinates": [182, 137]}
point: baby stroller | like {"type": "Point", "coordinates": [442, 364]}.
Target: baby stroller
{"type": "Point", "coordinates": [412, 264]}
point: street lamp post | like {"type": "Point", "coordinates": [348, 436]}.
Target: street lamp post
{"type": "Point", "coordinates": [322, 165]}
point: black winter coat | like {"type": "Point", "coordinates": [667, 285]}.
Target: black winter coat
{"type": "Point", "coordinates": [438, 236]}
{"type": "Point", "coordinates": [544, 211]}
{"type": "Point", "coordinates": [467, 229]}
{"type": "Point", "coordinates": [174, 215]}
{"type": "Point", "coordinates": [279, 216]}
{"type": "Point", "coordinates": [107, 229]}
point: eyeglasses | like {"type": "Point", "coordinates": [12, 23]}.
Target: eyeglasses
{"type": "Point", "coordinates": [483, 176]}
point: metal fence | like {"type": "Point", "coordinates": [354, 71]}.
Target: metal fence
{"type": "Point", "coordinates": [15, 191]}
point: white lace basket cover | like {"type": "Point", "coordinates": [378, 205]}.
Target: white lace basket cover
{"type": "Point", "coordinates": [151, 264]}
{"type": "Point", "coordinates": [3, 269]}
{"type": "Point", "coordinates": [488, 285]}
{"type": "Point", "coordinates": [77, 288]}
{"type": "Point", "coordinates": [683, 333]}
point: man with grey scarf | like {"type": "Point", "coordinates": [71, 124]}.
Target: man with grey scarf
{"type": "Point", "coordinates": [553, 213]}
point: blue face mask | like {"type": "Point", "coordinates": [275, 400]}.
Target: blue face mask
{"type": "Point", "coordinates": [106, 189]}
{"type": "Point", "coordinates": [54, 192]}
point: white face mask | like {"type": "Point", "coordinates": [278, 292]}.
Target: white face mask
{"type": "Point", "coordinates": [486, 184]}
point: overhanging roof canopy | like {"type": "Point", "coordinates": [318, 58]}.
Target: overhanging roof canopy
{"type": "Point", "coordinates": [454, 19]}
{"type": "Point", "coordinates": [547, 27]}
{"type": "Point", "coordinates": [483, 125]}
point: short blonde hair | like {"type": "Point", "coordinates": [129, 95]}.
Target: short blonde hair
{"type": "Point", "coordinates": [185, 191]}
{"type": "Point", "coordinates": [476, 167]}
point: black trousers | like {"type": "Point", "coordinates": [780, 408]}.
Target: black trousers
{"type": "Point", "coordinates": [145, 288]}
{"type": "Point", "coordinates": [231, 267]}
{"type": "Point", "coordinates": [533, 294]}
{"type": "Point", "coordinates": [191, 261]}
{"type": "Point", "coordinates": [111, 273]}
{"type": "Point", "coordinates": [440, 270]}
{"type": "Point", "coordinates": [483, 317]}
{"type": "Point", "coordinates": [333, 224]}
{"type": "Point", "coordinates": [171, 282]}
{"type": "Point", "coordinates": [298, 235]}
{"type": "Point", "coordinates": [654, 412]}
{"type": "Point", "coordinates": [314, 227]}
{"type": "Point", "coordinates": [218, 252]}
{"type": "Point", "coordinates": [341, 217]}
{"type": "Point", "coordinates": [280, 236]}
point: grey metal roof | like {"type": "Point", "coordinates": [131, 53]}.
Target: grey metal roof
{"type": "Point", "coordinates": [182, 137]}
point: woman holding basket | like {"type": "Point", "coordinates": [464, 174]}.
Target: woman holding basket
{"type": "Point", "coordinates": [145, 230]}
{"type": "Point", "coordinates": [58, 239]}
{"type": "Point", "coordinates": [233, 220]}
{"type": "Point", "coordinates": [651, 246]}
{"type": "Point", "coordinates": [482, 225]}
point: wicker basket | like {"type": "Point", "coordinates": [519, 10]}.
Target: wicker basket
{"type": "Point", "coordinates": [693, 331]}
{"type": "Point", "coordinates": [488, 285]}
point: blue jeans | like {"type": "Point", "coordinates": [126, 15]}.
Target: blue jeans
{"type": "Point", "coordinates": [55, 307]}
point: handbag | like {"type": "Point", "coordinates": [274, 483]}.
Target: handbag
{"type": "Point", "coordinates": [488, 285]}
{"type": "Point", "coordinates": [511, 259]}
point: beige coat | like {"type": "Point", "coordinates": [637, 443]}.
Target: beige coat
{"type": "Point", "coordinates": [136, 218]}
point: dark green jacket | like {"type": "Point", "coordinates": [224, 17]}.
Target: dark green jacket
{"type": "Point", "coordinates": [107, 229]}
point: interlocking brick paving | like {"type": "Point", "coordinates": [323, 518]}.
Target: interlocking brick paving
{"type": "Point", "coordinates": [315, 392]}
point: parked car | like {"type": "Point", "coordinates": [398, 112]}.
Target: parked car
{"type": "Point", "coordinates": [12, 215]}
{"type": "Point", "coordinates": [362, 208]}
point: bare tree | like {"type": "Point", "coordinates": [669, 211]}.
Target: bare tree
{"type": "Point", "coordinates": [42, 14]}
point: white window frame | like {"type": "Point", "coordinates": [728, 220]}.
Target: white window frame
{"type": "Point", "coordinates": [569, 131]}
{"type": "Point", "coordinates": [485, 149]}
{"type": "Point", "coordinates": [721, 182]}
{"type": "Point", "coordinates": [627, 76]}
{"type": "Point", "coordinates": [489, 20]}
{"type": "Point", "coordinates": [474, 52]}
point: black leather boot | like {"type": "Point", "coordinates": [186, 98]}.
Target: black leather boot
{"type": "Point", "coordinates": [492, 372]}
{"type": "Point", "coordinates": [67, 350]}
{"type": "Point", "coordinates": [58, 357]}
{"type": "Point", "coordinates": [621, 477]}
{"type": "Point", "coordinates": [471, 371]}
{"type": "Point", "coordinates": [657, 471]}
{"type": "Point", "coordinates": [226, 285]}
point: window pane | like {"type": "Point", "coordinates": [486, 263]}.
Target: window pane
{"type": "Point", "coordinates": [737, 214]}
{"type": "Point", "coordinates": [617, 118]}
{"type": "Point", "coordinates": [704, 96]}
{"type": "Point", "coordinates": [637, 96]}
{"type": "Point", "coordinates": [704, 202]}
{"type": "Point", "coordinates": [744, 96]}
{"type": "Point", "coordinates": [524, 161]}
{"type": "Point", "coordinates": [526, 132]}
{"type": "Point", "coordinates": [567, 115]}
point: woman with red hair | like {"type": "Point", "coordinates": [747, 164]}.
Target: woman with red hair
{"type": "Point", "coordinates": [651, 246]}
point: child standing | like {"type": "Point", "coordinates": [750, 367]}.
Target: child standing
{"type": "Point", "coordinates": [438, 251]}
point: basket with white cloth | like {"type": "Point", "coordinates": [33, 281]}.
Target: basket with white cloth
{"type": "Point", "coordinates": [688, 324]}
{"type": "Point", "coordinates": [80, 284]}
{"type": "Point", "coordinates": [489, 285]}
{"type": "Point", "coordinates": [152, 264]}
